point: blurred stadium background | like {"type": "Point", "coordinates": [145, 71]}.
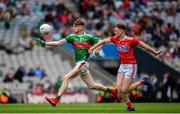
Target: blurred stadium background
{"type": "Point", "coordinates": [28, 71]}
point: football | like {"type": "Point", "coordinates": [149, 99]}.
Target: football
{"type": "Point", "coordinates": [45, 29]}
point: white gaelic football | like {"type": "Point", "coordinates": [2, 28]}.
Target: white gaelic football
{"type": "Point", "coordinates": [45, 29]}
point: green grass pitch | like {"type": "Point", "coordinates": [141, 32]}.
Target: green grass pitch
{"type": "Point", "coordinates": [108, 108]}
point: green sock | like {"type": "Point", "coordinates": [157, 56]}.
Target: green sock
{"type": "Point", "coordinates": [58, 97]}
{"type": "Point", "coordinates": [108, 89]}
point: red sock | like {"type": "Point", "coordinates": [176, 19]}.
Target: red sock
{"type": "Point", "coordinates": [142, 81]}
{"type": "Point", "coordinates": [129, 104]}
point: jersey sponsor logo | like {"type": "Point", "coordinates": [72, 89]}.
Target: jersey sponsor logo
{"type": "Point", "coordinates": [123, 48]}
{"type": "Point", "coordinates": [81, 45]}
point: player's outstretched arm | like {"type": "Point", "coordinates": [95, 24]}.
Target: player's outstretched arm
{"type": "Point", "coordinates": [50, 43]}
{"type": "Point", "coordinates": [99, 44]}
{"type": "Point", "coordinates": [55, 43]}
{"type": "Point", "coordinates": [148, 48]}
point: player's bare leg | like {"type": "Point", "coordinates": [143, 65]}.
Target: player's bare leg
{"type": "Point", "coordinates": [126, 84]}
{"type": "Point", "coordinates": [97, 86]}
{"type": "Point", "coordinates": [134, 85]}
{"type": "Point", "coordinates": [127, 81]}
{"type": "Point", "coordinates": [128, 102]}
{"type": "Point", "coordinates": [68, 77]}
{"type": "Point", "coordinates": [91, 84]}
{"type": "Point", "coordinates": [119, 80]}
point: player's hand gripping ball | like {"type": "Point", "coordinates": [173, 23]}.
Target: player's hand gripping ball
{"type": "Point", "coordinates": [45, 29]}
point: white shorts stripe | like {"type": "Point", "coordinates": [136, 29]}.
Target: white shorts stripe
{"type": "Point", "coordinates": [133, 71]}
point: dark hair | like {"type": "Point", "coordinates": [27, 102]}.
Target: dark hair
{"type": "Point", "coordinates": [78, 22]}
{"type": "Point", "coordinates": [121, 26]}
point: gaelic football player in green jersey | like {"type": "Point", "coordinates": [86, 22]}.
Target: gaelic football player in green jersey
{"type": "Point", "coordinates": [81, 42]}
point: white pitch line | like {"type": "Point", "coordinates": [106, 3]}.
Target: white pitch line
{"type": "Point", "coordinates": [91, 113]}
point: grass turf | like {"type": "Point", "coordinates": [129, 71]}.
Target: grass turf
{"type": "Point", "coordinates": [89, 108]}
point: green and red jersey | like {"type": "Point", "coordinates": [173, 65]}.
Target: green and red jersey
{"type": "Point", "coordinates": [81, 44]}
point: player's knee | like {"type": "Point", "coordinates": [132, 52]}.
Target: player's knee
{"type": "Point", "coordinates": [92, 86]}
{"type": "Point", "coordinates": [124, 90]}
{"type": "Point", "coordinates": [65, 79]}
{"type": "Point", "coordinates": [118, 87]}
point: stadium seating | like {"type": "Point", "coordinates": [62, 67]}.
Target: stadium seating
{"type": "Point", "coordinates": [52, 63]}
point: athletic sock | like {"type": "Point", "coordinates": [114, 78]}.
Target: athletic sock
{"type": "Point", "coordinates": [58, 97]}
{"type": "Point", "coordinates": [108, 89]}
{"type": "Point", "coordinates": [129, 104]}
{"type": "Point", "coordinates": [142, 81]}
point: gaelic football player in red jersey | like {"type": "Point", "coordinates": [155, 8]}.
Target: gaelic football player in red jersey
{"type": "Point", "coordinates": [128, 68]}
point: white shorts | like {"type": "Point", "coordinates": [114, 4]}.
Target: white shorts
{"type": "Point", "coordinates": [83, 66]}
{"type": "Point", "coordinates": [129, 70]}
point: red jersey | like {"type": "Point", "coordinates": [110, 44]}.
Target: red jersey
{"type": "Point", "coordinates": [125, 48]}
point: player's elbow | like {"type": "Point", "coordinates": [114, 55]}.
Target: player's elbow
{"type": "Point", "coordinates": [60, 42]}
{"type": "Point", "coordinates": [103, 42]}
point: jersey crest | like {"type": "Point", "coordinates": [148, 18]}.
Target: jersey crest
{"type": "Point", "coordinates": [123, 48]}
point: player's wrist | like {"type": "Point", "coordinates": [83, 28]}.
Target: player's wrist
{"type": "Point", "coordinates": [154, 52]}
{"type": "Point", "coordinates": [41, 41]}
